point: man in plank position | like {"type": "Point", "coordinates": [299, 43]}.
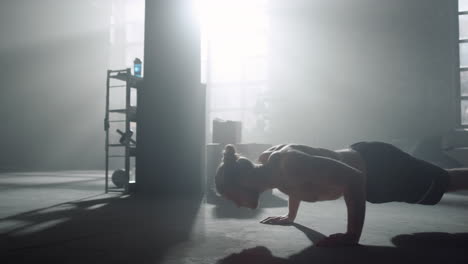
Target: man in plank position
{"type": "Point", "coordinates": [376, 172]}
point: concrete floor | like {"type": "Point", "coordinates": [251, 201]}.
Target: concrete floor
{"type": "Point", "coordinates": [64, 217]}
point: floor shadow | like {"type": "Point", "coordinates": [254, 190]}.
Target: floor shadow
{"type": "Point", "coordinates": [359, 254]}
{"type": "Point", "coordinates": [256, 255]}
{"type": "Point", "coordinates": [311, 234]}
{"type": "Point", "coordinates": [59, 174]}
{"type": "Point", "coordinates": [425, 248]}
{"type": "Point", "coordinates": [433, 240]}
{"type": "Point", "coordinates": [227, 209]}
{"type": "Point", "coordinates": [49, 214]}
{"type": "Point", "coordinates": [125, 229]}
{"type": "Point", "coordinates": [69, 184]}
{"type": "Point", "coordinates": [266, 200]}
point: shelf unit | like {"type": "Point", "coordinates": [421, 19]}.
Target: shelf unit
{"type": "Point", "coordinates": [128, 82]}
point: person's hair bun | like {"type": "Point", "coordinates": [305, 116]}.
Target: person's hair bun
{"type": "Point", "coordinates": [229, 154]}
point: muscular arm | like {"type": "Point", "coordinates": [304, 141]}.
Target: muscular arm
{"type": "Point", "coordinates": [355, 198]}
{"type": "Point", "coordinates": [317, 169]}
{"type": "Point", "coordinates": [302, 168]}
{"type": "Point", "coordinates": [293, 206]}
{"type": "Point", "coordinates": [293, 203]}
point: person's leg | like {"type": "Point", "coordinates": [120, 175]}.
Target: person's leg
{"type": "Point", "coordinates": [458, 179]}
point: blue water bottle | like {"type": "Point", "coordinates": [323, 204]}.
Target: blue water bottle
{"type": "Point", "coordinates": [137, 67]}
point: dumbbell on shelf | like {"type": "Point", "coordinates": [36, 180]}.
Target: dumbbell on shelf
{"type": "Point", "coordinates": [126, 137]}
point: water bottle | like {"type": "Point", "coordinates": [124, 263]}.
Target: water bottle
{"type": "Point", "coordinates": [137, 67]}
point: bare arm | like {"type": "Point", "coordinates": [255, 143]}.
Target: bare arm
{"type": "Point", "coordinates": [355, 198]}
{"type": "Point", "coordinates": [272, 156]}
{"type": "Point", "coordinates": [293, 206]}
{"type": "Point", "coordinates": [326, 170]}
{"type": "Point", "coordinates": [303, 168]}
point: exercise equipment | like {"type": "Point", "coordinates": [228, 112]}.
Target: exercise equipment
{"type": "Point", "coordinates": [119, 178]}
{"type": "Point", "coordinates": [126, 137]}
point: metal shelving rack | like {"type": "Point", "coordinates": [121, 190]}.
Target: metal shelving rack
{"type": "Point", "coordinates": [129, 115]}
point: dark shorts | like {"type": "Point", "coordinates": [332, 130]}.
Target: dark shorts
{"type": "Point", "coordinates": [395, 176]}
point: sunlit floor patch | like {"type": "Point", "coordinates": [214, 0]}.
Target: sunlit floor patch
{"type": "Point", "coordinates": [39, 227]}
{"type": "Point", "coordinates": [56, 209]}
{"type": "Point", "coordinates": [96, 206]}
{"type": "Point", "coordinates": [9, 225]}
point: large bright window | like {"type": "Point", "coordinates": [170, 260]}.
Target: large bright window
{"type": "Point", "coordinates": [127, 31]}
{"type": "Point", "coordinates": [234, 63]}
{"type": "Point", "coordinates": [463, 51]}
{"type": "Point", "coordinates": [126, 40]}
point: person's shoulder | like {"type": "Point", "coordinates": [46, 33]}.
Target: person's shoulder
{"type": "Point", "coordinates": [277, 147]}
{"type": "Point", "coordinates": [286, 154]}
{"type": "Point", "coordinates": [288, 147]}
{"type": "Point", "coordinates": [275, 156]}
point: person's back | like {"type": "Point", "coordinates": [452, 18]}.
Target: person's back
{"type": "Point", "coordinates": [299, 180]}
{"type": "Point", "coordinates": [348, 155]}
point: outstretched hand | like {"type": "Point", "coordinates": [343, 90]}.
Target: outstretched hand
{"type": "Point", "coordinates": [339, 240]}
{"type": "Point", "coordinates": [278, 220]}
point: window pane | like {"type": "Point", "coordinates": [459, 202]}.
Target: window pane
{"type": "Point", "coordinates": [464, 83]}
{"type": "Point", "coordinates": [225, 68]}
{"type": "Point", "coordinates": [463, 26]}
{"type": "Point", "coordinates": [464, 112]}
{"type": "Point", "coordinates": [134, 11]}
{"type": "Point", "coordinates": [462, 5]}
{"type": "Point", "coordinates": [463, 54]}
{"type": "Point", "coordinates": [256, 69]}
{"type": "Point", "coordinates": [256, 99]}
{"type": "Point", "coordinates": [135, 32]}
{"type": "Point", "coordinates": [226, 98]}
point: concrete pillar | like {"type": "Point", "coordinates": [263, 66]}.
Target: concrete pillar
{"type": "Point", "coordinates": [171, 103]}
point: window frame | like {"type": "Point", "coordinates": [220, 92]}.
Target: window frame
{"type": "Point", "coordinates": [461, 68]}
{"type": "Point", "coordinates": [245, 85]}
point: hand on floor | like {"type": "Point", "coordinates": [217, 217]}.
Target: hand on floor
{"type": "Point", "coordinates": [278, 220]}
{"type": "Point", "coordinates": [339, 240]}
